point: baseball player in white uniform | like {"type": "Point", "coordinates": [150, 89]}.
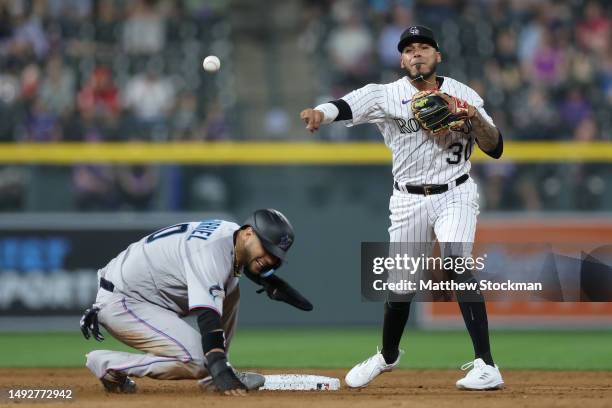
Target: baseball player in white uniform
{"type": "Point", "coordinates": [186, 268]}
{"type": "Point", "coordinates": [430, 123]}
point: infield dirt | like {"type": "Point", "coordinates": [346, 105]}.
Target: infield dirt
{"type": "Point", "coordinates": [402, 388]}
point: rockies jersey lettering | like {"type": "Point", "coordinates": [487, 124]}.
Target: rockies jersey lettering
{"type": "Point", "coordinates": [418, 156]}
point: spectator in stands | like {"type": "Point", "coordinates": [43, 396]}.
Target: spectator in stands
{"type": "Point", "coordinates": [10, 109]}
{"type": "Point", "coordinates": [399, 19]}
{"type": "Point", "coordinates": [29, 31]}
{"type": "Point", "coordinates": [185, 122]}
{"type": "Point", "coordinates": [574, 109]}
{"type": "Point", "coordinates": [100, 96]}
{"type": "Point", "coordinates": [107, 25]}
{"type": "Point", "coordinates": [150, 99]}
{"type": "Point", "coordinates": [99, 109]}
{"type": "Point", "coordinates": [548, 65]}
{"type": "Point", "coordinates": [144, 31]}
{"type": "Point", "coordinates": [605, 75]}
{"type": "Point", "coordinates": [137, 186]}
{"type": "Point", "coordinates": [216, 126]}
{"type": "Point", "coordinates": [536, 118]}
{"type": "Point", "coordinates": [594, 30]}
{"type": "Point", "coordinates": [13, 182]}
{"type": "Point", "coordinates": [30, 83]}
{"type": "Point", "coordinates": [506, 56]}
{"type": "Point", "coordinates": [42, 125]}
{"type": "Point", "coordinates": [351, 48]}
{"type": "Point", "coordinates": [586, 130]}
{"type": "Point", "coordinates": [57, 90]}
{"type": "Point", "coordinates": [94, 188]}
{"type": "Point", "coordinates": [6, 21]}
{"type": "Point", "coordinates": [70, 20]}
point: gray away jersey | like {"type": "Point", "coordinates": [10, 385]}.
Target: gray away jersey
{"type": "Point", "coordinates": [418, 156]}
{"type": "Point", "coordinates": [180, 268]}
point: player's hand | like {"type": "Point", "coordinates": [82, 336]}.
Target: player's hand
{"type": "Point", "coordinates": [89, 322]}
{"type": "Point", "coordinates": [223, 376]}
{"type": "Point", "coordinates": [227, 382]}
{"type": "Point", "coordinates": [312, 118]}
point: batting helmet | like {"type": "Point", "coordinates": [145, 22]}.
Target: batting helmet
{"type": "Point", "coordinates": [273, 229]}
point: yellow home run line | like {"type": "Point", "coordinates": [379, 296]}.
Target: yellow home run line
{"type": "Point", "coordinates": [261, 153]}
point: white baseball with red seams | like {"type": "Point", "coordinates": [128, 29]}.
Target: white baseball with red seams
{"type": "Point", "coordinates": [211, 63]}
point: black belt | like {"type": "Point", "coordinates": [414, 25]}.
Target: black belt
{"type": "Point", "coordinates": [429, 189]}
{"type": "Point", "coordinates": [107, 285]}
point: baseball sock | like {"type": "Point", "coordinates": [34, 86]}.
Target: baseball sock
{"type": "Point", "coordinates": [396, 316]}
{"type": "Point", "coordinates": [477, 324]}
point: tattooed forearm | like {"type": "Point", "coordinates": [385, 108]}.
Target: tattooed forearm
{"type": "Point", "coordinates": [486, 135]}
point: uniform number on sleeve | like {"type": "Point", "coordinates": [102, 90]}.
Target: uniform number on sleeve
{"type": "Point", "coordinates": [458, 150]}
{"type": "Point", "coordinates": [175, 229]}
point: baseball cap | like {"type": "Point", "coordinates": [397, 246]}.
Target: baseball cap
{"type": "Point", "coordinates": [420, 34]}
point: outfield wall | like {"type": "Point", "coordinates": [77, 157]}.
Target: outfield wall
{"type": "Point", "coordinates": [48, 265]}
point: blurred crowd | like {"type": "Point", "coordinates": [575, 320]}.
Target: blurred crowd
{"type": "Point", "coordinates": [110, 70]}
{"type": "Point", "coordinates": [89, 70]}
{"type": "Point", "coordinates": [105, 70]}
{"type": "Point", "coordinates": [544, 68]}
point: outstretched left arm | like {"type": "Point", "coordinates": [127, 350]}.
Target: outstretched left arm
{"type": "Point", "coordinates": [488, 137]}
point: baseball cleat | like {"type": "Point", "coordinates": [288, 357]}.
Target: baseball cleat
{"type": "Point", "coordinates": [252, 381]}
{"type": "Point", "coordinates": [480, 377]}
{"type": "Point", "coordinates": [118, 383]}
{"type": "Point", "coordinates": [363, 373]}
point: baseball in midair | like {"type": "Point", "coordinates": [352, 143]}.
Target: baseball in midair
{"type": "Point", "coordinates": [211, 63]}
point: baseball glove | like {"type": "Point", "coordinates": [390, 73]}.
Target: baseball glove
{"type": "Point", "coordinates": [278, 289]}
{"type": "Point", "coordinates": [438, 112]}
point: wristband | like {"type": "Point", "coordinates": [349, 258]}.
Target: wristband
{"type": "Point", "coordinates": [330, 112]}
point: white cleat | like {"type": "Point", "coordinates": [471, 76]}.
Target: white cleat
{"type": "Point", "coordinates": [363, 373]}
{"type": "Point", "coordinates": [480, 377]}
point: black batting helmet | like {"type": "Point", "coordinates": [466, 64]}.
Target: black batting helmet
{"type": "Point", "coordinates": [273, 229]}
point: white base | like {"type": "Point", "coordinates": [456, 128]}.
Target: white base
{"type": "Point", "coordinates": [300, 382]}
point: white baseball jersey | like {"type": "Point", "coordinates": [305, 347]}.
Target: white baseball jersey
{"type": "Point", "coordinates": [179, 268]}
{"type": "Point", "coordinates": [418, 156]}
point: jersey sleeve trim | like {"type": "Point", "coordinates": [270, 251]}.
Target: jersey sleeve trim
{"type": "Point", "coordinates": [344, 110]}
{"type": "Point", "coordinates": [195, 307]}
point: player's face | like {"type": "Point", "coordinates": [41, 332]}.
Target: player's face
{"type": "Point", "coordinates": [258, 260]}
{"type": "Point", "coordinates": [419, 59]}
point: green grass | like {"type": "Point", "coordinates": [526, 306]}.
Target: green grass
{"type": "Point", "coordinates": [334, 348]}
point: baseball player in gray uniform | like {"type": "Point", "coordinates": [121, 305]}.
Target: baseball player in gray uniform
{"type": "Point", "coordinates": [431, 124]}
{"type": "Point", "coordinates": [186, 268]}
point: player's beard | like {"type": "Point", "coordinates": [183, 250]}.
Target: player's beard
{"type": "Point", "coordinates": [423, 75]}
{"type": "Point", "coordinates": [255, 263]}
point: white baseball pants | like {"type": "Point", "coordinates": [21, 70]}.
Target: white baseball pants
{"type": "Point", "coordinates": [172, 348]}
